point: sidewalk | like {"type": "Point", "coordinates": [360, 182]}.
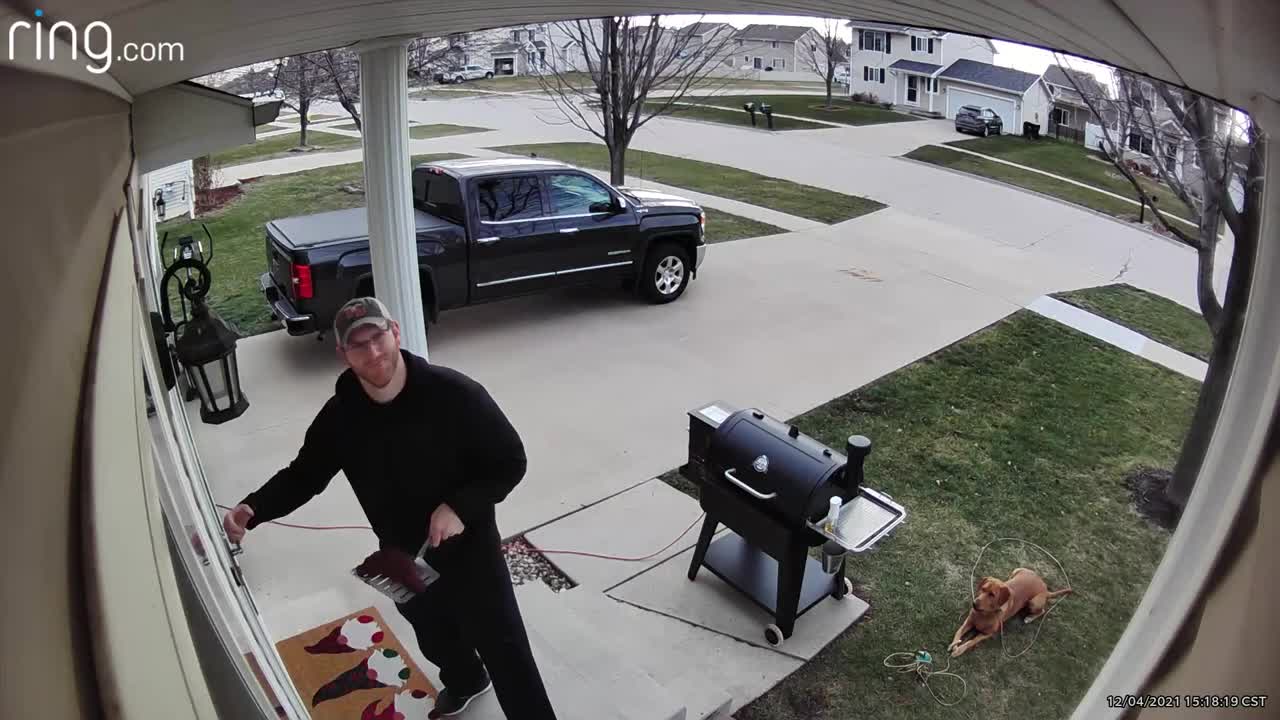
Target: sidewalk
{"type": "Point", "coordinates": [1120, 336]}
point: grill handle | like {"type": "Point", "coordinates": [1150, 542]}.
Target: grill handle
{"type": "Point", "coordinates": [728, 475]}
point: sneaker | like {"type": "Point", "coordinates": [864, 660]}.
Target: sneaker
{"type": "Point", "coordinates": [449, 703]}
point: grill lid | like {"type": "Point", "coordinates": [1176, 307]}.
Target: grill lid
{"type": "Point", "coordinates": [775, 463]}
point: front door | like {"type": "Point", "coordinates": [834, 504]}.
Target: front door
{"type": "Point", "coordinates": [601, 240]}
{"type": "Point", "coordinates": [913, 90]}
{"type": "Point", "coordinates": [757, 63]}
{"type": "Point", "coordinates": [515, 248]}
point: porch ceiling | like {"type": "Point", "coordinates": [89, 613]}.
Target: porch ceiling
{"type": "Point", "coordinates": [1223, 48]}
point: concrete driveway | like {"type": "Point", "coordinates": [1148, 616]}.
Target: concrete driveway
{"type": "Point", "coordinates": [598, 384]}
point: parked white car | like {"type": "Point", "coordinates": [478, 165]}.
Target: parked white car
{"type": "Point", "coordinates": [842, 74]}
{"type": "Point", "coordinates": [469, 72]}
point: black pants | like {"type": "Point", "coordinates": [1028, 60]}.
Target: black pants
{"type": "Point", "coordinates": [468, 620]}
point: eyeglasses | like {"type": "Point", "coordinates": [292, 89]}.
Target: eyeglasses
{"type": "Point", "coordinates": [374, 339]}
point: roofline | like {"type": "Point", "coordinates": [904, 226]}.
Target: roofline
{"type": "Point", "coordinates": [989, 87]}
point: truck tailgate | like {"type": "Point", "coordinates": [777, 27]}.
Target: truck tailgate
{"type": "Point", "coordinates": [279, 262]}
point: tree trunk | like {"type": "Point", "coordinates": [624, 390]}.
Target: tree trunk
{"type": "Point", "coordinates": [350, 107]}
{"type": "Point", "coordinates": [304, 109]}
{"type": "Point", "coordinates": [1226, 337]}
{"type": "Point", "coordinates": [828, 89]}
{"type": "Point", "coordinates": [617, 163]}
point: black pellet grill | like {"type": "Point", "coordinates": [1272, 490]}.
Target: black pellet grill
{"type": "Point", "coordinates": [771, 485]}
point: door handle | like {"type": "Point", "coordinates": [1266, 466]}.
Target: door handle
{"type": "Point", "coordinates": [487, 240]}
{"type": "Point", "coordinates": [568, 231]}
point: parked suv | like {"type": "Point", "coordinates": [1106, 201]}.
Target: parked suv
{"type": "Point", "coordinates": [984, 121]}
{"type": "Point", "coordinates": [466, 72]}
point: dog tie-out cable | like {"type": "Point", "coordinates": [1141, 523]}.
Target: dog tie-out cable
{"type": "Point", "coordinates": [973, 574]}
{"type": "Point", "coordinates": [921, 663]}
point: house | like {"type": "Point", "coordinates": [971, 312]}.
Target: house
{"type": "Point", "coordinates": [521, 50]}
{"type": "Point", "coordinates": [1069, 107]}
{"type": "Point", "coordinates": [780, 52]}
{"type": "Point", "coordinates": [709, 37]}
{"type": "Point", "coordinates": [1014, 95]}
{"type": "Point", "coordinates": [898, 63]}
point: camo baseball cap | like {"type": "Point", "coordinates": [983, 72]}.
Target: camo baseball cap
{"type": "Point", "coordinates": [357, 313]}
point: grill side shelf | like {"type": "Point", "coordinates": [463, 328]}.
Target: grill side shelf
{"type": "Point", "coordinates": [863, 521]}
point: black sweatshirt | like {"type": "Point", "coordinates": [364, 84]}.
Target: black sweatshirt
{"type": "Point", "coordinates": [442, 439]}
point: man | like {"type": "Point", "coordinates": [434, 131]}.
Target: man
{"type": "Point", "coordinates": [428, 454]}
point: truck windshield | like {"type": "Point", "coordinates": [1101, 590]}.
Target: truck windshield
{"type": "Point", "coordinates": [437, 194]}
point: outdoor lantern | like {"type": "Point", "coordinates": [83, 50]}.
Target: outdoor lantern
{"type": "Point", "coordinates": [206, 347]}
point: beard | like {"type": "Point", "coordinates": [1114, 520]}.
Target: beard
{"type": "Point", "coordinates": [379, 374]}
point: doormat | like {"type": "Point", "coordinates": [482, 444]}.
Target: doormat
{"type": "Point", "coordinates": [354, 668]}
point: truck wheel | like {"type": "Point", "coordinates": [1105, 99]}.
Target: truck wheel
{"type": "Point", "coordinates": [488, 76]}
{"type": "Point", "coordinates": [666, 273]}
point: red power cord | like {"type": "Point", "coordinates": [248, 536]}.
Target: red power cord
{"type": "Point", "coordinates": [540, 550]}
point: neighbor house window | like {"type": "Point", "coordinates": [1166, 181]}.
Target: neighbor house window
{"type": "Point", "coordinates": [1140, 143]}
{"type": "Point", "coordinates": [779, 64]}
{"type": "Point", "coordinates": [870, 74]}
{"type": "Point", "coordinates": [921, 45]}
{"type": "Point", "coordinates": [774, 44]}
{"type": "Point", "coordinates": [873, 40]}
{"type": "Point", "coordinates": [931, 85]}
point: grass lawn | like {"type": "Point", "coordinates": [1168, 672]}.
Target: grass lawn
{"type": "Point", "coordinates": [720, 180]}
{"type": "Point", "coordinates": [1026, 429]}
{"type": "Point", "coordinates": [1073, 161]}
{"type": "Point", "coordinates": [521, 83]}
{"type": "Point", "coordinates": [425, 132]}
{"type": "Point", "coordinates": [1022, 178]}
{"type": "Point", "coordinates": [280, 146]}
{"type": "Point", "coordinates": [845, 112]}
{"type": "Point", "coordinates": [238, 235]}
{"type": "Point", "coordinates": [723, 226]}
{"type": "Point", "coordinates": [732, 117]}
{"type": "Point", "coordinates": [1158, 318]}
{"type": "Point", "coordinates": [437, 92]}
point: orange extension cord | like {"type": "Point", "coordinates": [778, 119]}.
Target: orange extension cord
{"type": "Point", "coordinates": [540, 550]}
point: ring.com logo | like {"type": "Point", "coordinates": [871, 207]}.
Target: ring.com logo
{"type": "Point", "coordinates": [98, 45]}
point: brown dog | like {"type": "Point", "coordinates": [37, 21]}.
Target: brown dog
{"type": "Point", "coordinates": [998, 601]}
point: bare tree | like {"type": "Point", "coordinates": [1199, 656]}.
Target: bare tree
{"type": "Point", "coordinates": [429, 55]}
{"type": "Point", "coordinates": [339, 73]}
{"type": "Point", "coordinates": [627, 59]}
{"type": "Point", "coordinates": [300, 83]}
{"type": "Point", "coordinates": [1153, 127]}
{"type": "Point", "coordinates": [822, 57]}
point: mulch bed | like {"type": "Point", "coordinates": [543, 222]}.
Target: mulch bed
{"type": "Point", "coordinates": [215, 198]}
{"type": "Point", "coordinates": [527, 564]}
{"type": "Point", "coordinates": [1147, 486]}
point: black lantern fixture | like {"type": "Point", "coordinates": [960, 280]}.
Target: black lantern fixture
{"type": "Point", "coordinates": [205, 346]}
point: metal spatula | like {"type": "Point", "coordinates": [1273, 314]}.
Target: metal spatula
{"type": "Point", "coordinates": [394, 574]}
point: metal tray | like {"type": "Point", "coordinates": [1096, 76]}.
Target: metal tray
{"type": "Point", "coordinates": [863, 521]}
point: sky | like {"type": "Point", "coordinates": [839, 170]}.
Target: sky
{"type": "Point", "coordinates": [1008, 54]}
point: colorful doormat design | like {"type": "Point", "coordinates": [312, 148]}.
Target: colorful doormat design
{"type": "Point", "coordinates": [354, 668]}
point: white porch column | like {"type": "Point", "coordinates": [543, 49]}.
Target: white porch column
{"type": "Point", "coordinates": [393, 246]}
{"type": "Point", "coordinates": [930, 81]}
{"type": "Point", "coordinates": [894, 74]}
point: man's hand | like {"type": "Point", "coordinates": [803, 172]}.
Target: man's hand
{"type": "Point", "coordinates": [445, 523]}
{"type": "Point", "coordinates": [235, 520]}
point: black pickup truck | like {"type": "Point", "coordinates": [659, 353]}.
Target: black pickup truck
{"type": "Point", "coordinates": [488, 230]}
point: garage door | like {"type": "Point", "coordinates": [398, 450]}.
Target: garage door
{"type": "Point", "coordinates": [1004, 107]}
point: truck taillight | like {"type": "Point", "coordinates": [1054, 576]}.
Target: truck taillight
{"type": "Point", "coordinates": [302, 289]}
